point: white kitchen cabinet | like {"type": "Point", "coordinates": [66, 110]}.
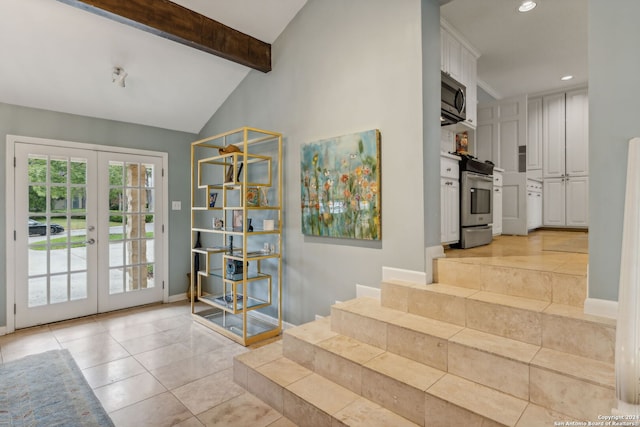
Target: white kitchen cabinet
{"type": "Point", "coordinates": [534, 204]}
{"type": "Point", "coordinates": [449, 200]}
{"type": "Point", "coordinates": [577, 133]}
{"type": "Point", "coordinates": [554, 202]}
{"type": "Point", "coordinates": [450, 54]}
{"type": "Point", "coordinates": [469, 79]}
{"type": "Point", "coordinates": [553, 136]}
{"type": "Point", "coordinates": [497, 202]}
{"type": "Point", "coordinates": [534, 134]}
{"type": "Point", "coordinates": [577, 201]}
{"type": "Point", "coordinates": [566, 159]}
{"type": "Point", "coordinates": [566, 202]}
{"type": "Point", "coordinates": [459, 59]}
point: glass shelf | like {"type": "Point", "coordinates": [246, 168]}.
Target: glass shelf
{"type": "Point", "coordinates": [225, 302]}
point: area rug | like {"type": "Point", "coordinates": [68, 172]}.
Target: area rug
{"type": "Point", "coordinates": [48, 389]}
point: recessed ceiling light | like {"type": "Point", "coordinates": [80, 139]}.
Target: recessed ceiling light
{"type": "Point", "coordinates": [566, 78]}
{"type": "Point", "coordinates": [526, 5]}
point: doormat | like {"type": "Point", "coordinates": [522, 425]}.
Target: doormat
{"type": "Point", "coordinates": [48, 389]}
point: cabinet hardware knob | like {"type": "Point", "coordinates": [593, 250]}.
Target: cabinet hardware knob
{"type": "Point", "coordinates": [448, 169]}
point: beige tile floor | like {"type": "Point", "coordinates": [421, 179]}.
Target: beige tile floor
{"type": "Point", "coordinates": [152, 366]}
{"type": "Point", "coordinates": [544, 250]}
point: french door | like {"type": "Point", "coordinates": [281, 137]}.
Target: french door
{"type": "Point", "coordinates": [88, 232]}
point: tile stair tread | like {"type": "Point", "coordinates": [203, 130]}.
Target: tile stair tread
{"type": "Point", "coordinates": [577, 313]}
{"type": "Point", "coordinates": [370, 307]}
{"type": "Point", "coordinates": [582, 368]}
{"type": "Point", "coordinates": [510, 301]}
{"type": "Point", "coordinates": [313, 332]}
{"type": "Point", "coordinates": [261, 355]}
{"type": "Point", "coordinates": [350, 348]}
{"type": "Point", "coordinates": [456, 291]}
{"type": "Point", "coordinates": [283, 371]}
{"type": "Point", "coordinates": [489, 343]}
{"type": "Point", "coordinates": [415, 374]}
{"type": "Point", "coordinates": [484, 401]}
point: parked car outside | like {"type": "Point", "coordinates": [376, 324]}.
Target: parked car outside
{"type": "Point", "coordinates": [37, 228]}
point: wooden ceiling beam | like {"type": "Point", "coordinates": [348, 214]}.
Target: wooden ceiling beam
{"type": "Point", "coordinates": [174, 22]}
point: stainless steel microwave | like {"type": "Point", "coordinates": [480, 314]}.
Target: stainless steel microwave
{"type": "Point", "coordinates": [453, 101]}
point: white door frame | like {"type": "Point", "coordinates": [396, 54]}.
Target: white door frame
{"type": "Point", "coordinates": [11, 220]}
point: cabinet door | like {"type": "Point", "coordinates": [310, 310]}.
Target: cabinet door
{"type": "Point", "coordinates": [452, 55]}
{"type": "Point", "coordinates": [497, 210]}
{"type": "Point", "coordinates": [534, 134]}
{"type": "Point", "coordinates": [450, 210]}
{"type": "Point", "coordinates": [577, 106]}
{"type": "Point", "coordinates": [577, 199]}
{"type": "Point", "coordinates": [469, 69]}
{"type": "Point", "coordinates": [554, 202]}
{"type": "Point", "coordinates": [538, 211]}
{"type": "Point", "coordinates": [553, 136]}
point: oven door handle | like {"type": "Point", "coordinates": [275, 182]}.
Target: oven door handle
{"type": "Point", "coordinates": [480, 177]}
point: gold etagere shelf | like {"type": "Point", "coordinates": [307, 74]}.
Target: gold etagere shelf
{"type": "Point", "coordinates": [236, 216]}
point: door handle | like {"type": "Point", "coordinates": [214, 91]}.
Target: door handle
{"type": "Point", "coordinates": [91, 228]}
{"type": "Point", "coordinates": [90, 241]}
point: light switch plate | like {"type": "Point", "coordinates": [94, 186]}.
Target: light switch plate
{"type": "Point", "coordinates": [176, 205]}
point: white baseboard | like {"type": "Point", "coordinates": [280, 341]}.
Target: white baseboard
{"type": "Point", "coordinates": [390, 273]}
{"type": "Point", "coordinates": [177, 297]}
{"type": "Point", "coordinates": [3, 330]}
{"type": "Point", "coordinates": [271, 320]}
{"type": "Point", "coordinates": [601, 307]}
{"type": "Point", "coordinates": [432, 253]}
{"type": "Point", "coordinates": [367, 291]}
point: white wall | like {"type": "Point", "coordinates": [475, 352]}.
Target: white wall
{"type": "Point", "coordinates": [614, 109]}
{"type": "Point", "coordinates": [342, 67]}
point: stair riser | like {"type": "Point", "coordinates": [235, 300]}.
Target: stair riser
{"type": "Point", "coordinates": [518, 324]}
{"type": "Point", "coordinates": [582, 400]}
{"type": "Point", "coordinates": [303, 413]}
{"type": "Point", "coordinates": [511, 377]}
{"type": "Point", "coordinates": [579, 337]}
{"type": "Point", "coordinates": [441, 413]}
{"type": "Point", "coordinates": [341, 371]}
{"type": "Point", "coordinates": [266, 390]}
{"type": "Point", "coordinates": [394, 395]}
{"type": "Point", "coordinates": [365, 329]}
{"type": "Point", "coordinates": [299, 351]}
{"type": "Point", "coordinates": [423, 348]}
{"type": "Point", "coordinates": [558, 288]}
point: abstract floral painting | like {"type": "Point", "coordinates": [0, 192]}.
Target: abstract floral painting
{"type": "Point", "coordinates": [340, 186]}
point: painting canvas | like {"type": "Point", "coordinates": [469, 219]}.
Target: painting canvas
{"type": "Point", "coordinates": [340, 186]}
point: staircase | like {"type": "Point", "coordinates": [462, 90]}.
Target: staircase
{"type": "Point", "coordinates": [487, 345]}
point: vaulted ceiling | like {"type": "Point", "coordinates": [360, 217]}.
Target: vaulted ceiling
{"type": "Point", "coordinates": [59, 57]}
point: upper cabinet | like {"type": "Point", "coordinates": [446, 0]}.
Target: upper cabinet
{"type": "Point", "coordinates": [577, 128]}
{"type": "Point", "coordinates": [534, 134]}
{"type": "Point", "coordinates": [459, 60]}
{"type": "Point", "coordinates": [565, 137]}
{"type": "Point", "coordinates": [553, 135]}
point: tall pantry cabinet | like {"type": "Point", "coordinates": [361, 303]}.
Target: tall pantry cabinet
{"type": "Point", "coordinates": [565, 163]}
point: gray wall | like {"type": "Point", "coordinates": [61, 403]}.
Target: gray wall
{"type": "Point", "coordinates": [15, 120]}
{"type": "Point", "coordinates": [614, 92]}
{"type": "Point", "coordinates": [342, 67]}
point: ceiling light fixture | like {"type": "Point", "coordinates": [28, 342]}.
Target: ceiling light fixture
{"type": "Point", "coordinates": [565, 78]}
{"type": "Point", "coordinates": [527, 5]}
{"type": "Point", "coordinates": [118, 76]}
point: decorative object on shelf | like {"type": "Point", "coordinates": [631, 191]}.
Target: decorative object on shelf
{"type": "Point", "coordinates": [196, 258]}
{"type": "Point", "coordinates": [229, 176]}
{"type": "Point", "coordinates": [268, 224]}
{"type": "Point", "coordinates": [234, 269]}
{"type": "Point", "coordinates": [264, 200]}
{"type": "Point", "coordinates": [229, 149]}
{"type": "Point", "coordinates": [217, 224]}
{"type": "Point", "coordinates": [462, 143]}
{"type": "Point", "coordinates": [237, 220]}
{"type": "Point", "coordinates": [252, 196]}
{"type": "Point", "coordinates": [213, 196]}
{"type": "Point", "coordinates": [340, 187]}
{"type": "Point", "coordinates": [249, 226]}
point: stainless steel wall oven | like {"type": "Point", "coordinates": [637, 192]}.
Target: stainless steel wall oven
{"type": "Point", "coordinates": [476, 202]}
